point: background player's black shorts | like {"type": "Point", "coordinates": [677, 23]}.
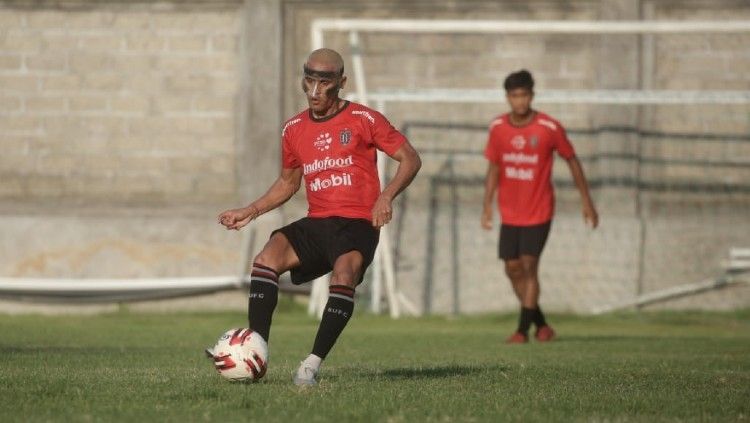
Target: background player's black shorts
{"type": "Point", "coordinates": [522, 240]}
{"type": "Point", "coordinates": [319, 241]}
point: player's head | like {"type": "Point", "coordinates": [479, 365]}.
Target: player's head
{"type": "Point", "coordinates": [519, 90]}
{"type": "Point", "coordinates": [323, 77]}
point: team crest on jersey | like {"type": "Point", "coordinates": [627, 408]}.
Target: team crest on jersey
{"type": "Point", "coordinates": [345, 136]}
{"type": "Point", "coordinates": [323, 142]}
{"type": "Point", "coordinates": [534, 141]}
{"type": "Point", "coordinates": [518, 142]}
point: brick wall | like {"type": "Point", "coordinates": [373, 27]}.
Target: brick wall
{"type": "Point", "coordinates": [113, 103]}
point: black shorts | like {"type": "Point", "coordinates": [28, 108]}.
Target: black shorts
{"type": "Point", "coordinates": [516, 241]}
{"type": "Point", "coordinates": [319, 241]}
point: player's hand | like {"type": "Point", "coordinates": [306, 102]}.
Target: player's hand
{"type": "Point", "coordinates": [382, 212]}
{"type": "Point", "coordinates": [590, 216]}
{"type": "Point", "coordinates": [487, 219]}
{"type": "Point", "coordinates": [237, 218]}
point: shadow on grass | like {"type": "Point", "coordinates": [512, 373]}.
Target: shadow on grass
{"type": "Point", "coordinates": [623, 338]}
{"type": "Point", "coordinates": [83, 350]}
{"type": "Point", "coordinates": [435, 372]}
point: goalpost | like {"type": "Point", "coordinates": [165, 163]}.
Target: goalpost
{"type": "Point", "coordinates": [383, 265]}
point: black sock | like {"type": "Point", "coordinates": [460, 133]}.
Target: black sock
{"type": "Point", "coordinates": [264, 293]}
{"type": "Point", "coordinates": [524, 321]}
{"type": "Point", "coordinates": [539, 320]}
{"type": "Point", "coordinates": [337, 313]}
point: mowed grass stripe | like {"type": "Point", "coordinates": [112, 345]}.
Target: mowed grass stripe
{"type": "Point", "coordinates": [621, 367]}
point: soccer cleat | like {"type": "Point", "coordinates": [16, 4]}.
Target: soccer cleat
{"type": "Point", "coordinates": [305, 376]}
{"type": "Point", "coordinates": [544, 334]}
{"type": "Point", "coordinates": [517, 338]}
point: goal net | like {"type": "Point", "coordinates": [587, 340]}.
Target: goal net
{"type": "Point", "coordinates": [659, 114]}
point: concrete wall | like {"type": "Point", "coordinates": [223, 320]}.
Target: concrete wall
{"type": "Point", "coordinates": [118, 103]}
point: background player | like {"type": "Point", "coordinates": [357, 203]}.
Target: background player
{"type": "Point", "coordinates": [519, 151]}
{"type": "Point", "coordinates": [332, 144]}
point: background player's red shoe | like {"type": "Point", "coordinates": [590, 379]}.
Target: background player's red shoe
{"type": "Point", "coordinates": [544, 334]}
{"type": "Point", "coordinates": [517, 338]}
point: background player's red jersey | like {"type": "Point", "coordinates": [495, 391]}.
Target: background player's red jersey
{"type": "Point", "coordinates": [337, 155]}
{"type": "Point", "coordinates": [524, 155]}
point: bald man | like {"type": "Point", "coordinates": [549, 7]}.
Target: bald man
{"type": "Point", "coordinates": [332, 144]}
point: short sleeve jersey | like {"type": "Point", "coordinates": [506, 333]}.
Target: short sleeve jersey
{"type": "Point", "coordinates": [524, 155]}
{"type": "Point", "coordinates": [338, 158]}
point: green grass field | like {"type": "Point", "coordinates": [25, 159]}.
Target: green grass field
{"type": "Point", "coordinates": [150, 367]}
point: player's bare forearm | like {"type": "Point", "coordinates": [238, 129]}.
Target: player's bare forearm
{"type": "Point", "coordinates": [490, 186]}
{"type": "Point", "coordinates": [409, 164]}
{"type": "Point", "coordinates": [579, 178]}
{"type": "Point", "coordinates": [285, 186]}
{"type": "Point", "coordinates": [279, 193]}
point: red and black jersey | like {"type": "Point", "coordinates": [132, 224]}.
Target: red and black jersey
{"type": "Point", "coordinates": [524, 154]}
{"type": "Point", "coordinates": [338, 158]}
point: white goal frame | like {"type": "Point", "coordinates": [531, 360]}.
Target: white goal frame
{"type": "Point", "coordinates": [383, 266]}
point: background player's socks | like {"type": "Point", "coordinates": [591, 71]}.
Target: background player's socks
{"type": "Point", "coordinates": [264, 294]}
{"type": "Point", "coordinates": [337, 313]}
{"type": "Point", "coordinates": [524, 321]}
{"type": "Point", "coordinates": [539, 319]}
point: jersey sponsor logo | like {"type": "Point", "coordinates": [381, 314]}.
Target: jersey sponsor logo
{"type": "Point", "coordinates": [548, 123]}
{"type": "Point", "coordinates": [345, 136]}
{"type": "Point", "coordinates": [327, 163]}
{"type": "Point", "coordinates": [344, 179]}
{"type": "Point", "coordinates": [520, 158]}
{"type": "Point", "coordinates": [288, 124]}
{"type": "Point", "coordinates": [323, 142]}
{"type": "Point", "coordinates": [517, 173]}
{"type": "Point", "coordinates": [518, 142]}
{"type": "Point", "coordinates": [364, 113]}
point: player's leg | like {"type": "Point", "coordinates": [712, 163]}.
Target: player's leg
{"type": "Point", "coordinates": [346, 274]}
{"type": "Point", "coordinates": [508, 251]}
{"type": "Point", "coordinates": [533, 241]}
{"type": "Point", "coordinates": [530, 267]}
{"type": "Point", "coordinates": [277, 257]}
{"type": "Point", "coordinates": [528, 296]}
{"type": "Point", "coordinates": [530, 299]}
{"type": "Point", "coordinates": [349, 245]}
{"type": "Point", "coordinates": [514, 271]}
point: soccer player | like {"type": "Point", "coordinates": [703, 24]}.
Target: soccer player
{"type": "Point", "coordinates": [332, 145]}
{"type": "Point", "coordinates": [519, 151]}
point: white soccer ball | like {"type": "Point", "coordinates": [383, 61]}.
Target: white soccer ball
{"type": "Point", "coordinates": [240, 355]}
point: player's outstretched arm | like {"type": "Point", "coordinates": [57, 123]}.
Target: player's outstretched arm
{"type": "Point", "coordinates": [589, 211]}
{"type": "Point", "coordinates": [490, 186]}
{"type": "Point", "coordinates": [282, 190]}
{"type": "Point", "coordinates": [408, 166]}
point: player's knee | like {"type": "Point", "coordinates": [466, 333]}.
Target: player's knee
{"type": "Point", "coordinates": [529, 268]}
{"type": "Point", "coordinates": [269, 258]}
{"type": "Point", "coordinates": [265, 259]}
{"type": "Point", "coordinates": [514, 270]}
{"type": "Point", "coordinates": [346, 277]}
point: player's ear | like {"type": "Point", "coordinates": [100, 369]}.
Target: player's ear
{"type": "Point", "coordinates": [342, 83]}
{"type": "Point", "coordinates": [303, 85]}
